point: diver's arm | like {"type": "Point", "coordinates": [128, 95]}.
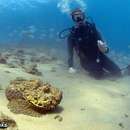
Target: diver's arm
{"type": "Point", "coordinates": [70, 54]}
{"type": "Point", "coordinates": [97, 33]}
{"type": "Point", "coordinates": [101, 44]}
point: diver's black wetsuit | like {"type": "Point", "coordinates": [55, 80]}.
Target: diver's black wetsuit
{"type": "Point", "coordinates": [84, 40]}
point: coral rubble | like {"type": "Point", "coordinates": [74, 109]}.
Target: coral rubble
{"type": "Point", "coordinates": [32, 97]}
{"type": "Point", "coordinates": [3, 60]}
{"type": "Point", "coordinates": [32, 69]}
{"type": "Point", "coordinates": [10, 123]}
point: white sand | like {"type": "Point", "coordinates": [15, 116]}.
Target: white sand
{"type": "Point", "coordinates": [87, 104]}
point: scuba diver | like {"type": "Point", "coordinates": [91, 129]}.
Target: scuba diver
{"type": "Point", "coordinates": [85, 39]}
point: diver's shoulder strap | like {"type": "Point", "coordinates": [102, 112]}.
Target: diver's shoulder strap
{"type": "Point", "coordinates": [90, 24]}
{"type": "Point", "coordinates": [72, 30]}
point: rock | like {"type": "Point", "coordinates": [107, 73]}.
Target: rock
{"type": "Point", "coordinates": [1, 88]}
{"type": "Point", "coordinates": [12, 93]}
{"type": "Point", "coordinates": [35, 59]}
{"type": "Point", "coordinates": [83, 109]}
{"type": "Point", "coordinates": [20, 106]}
{"type": "Point", "coordinates": [126, 115]}
{"type": "Point", "coordinates": [19, 79]}
{"type": "Point", "coordinates": [128, 69]}
{"type": "Point", "coordinates": [39, 96]}
{"type": "Point", "coordinates": [53, 69]}
{"type": "Point", "coordinates": [19, 53]}
{"type": "Point", "coordinates": [3, 60]}
{"type": "Point", "coordinates": [11, 65]}
{"type": "Point", "coordinates": [13, 62]}
{"type": "Point", "coordinates": [7, 54]}
{"type": "Point", "coordinates": [32, 69]}
{"type": "Point", "coordinates": [121, 125]}
{"type": "Point", "coordinates": [22, 61]}
{"type": "Point", "coordinates": [59, 118]}
{"type": "Point", "coordinates": [7, 71]}
{"type": "Point", "coordinates": [47, 59]}
{"type": "Point", "coordinates": [9, 122]}
{"type": "Point", "coordinates": [45, 98]}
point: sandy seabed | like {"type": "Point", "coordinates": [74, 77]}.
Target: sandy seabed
{"type": "Point", "coordinates": [87, 104]}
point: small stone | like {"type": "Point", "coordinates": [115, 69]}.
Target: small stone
{"type": "Point", "coordinates": [121, 125]}
{"type": "Point", "coordinates": [3, 60]}
{"type": "Point", "coordinates": [123, 95]}
{"type": "Point", "coordinates": [83, 109]}
{"type": "Point", "coordinates": [32, 69]}
{"type": "Point", "coordinates": [1, 88]}
{"type": "Point", "coordinates": [59, 118]}
{"type": "Point", "coordinates": [11, 65]}
{"type": "Point", "coordinates": [3, 125]}
{"type": "Point", "coordinates": [20, 52]}
{"type": "Point", "coordinates": [20, 78]}
{"type": "Point", "coordinates": [126, 115]}
{"type": "Point", "coordinates": [7, 122]}
{"type": "Point", "coordinates": [53, 69]}
{"type": "Point", "coordinates": [7, 71]}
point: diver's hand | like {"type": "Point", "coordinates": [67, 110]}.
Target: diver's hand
{"type": "Point", "coordinates": [102, 46]}
{"type": "Point", "coordinates": [72, 70]}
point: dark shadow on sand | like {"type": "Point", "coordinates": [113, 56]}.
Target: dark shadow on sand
{"type": "Point", "coordinates": [58, 110]}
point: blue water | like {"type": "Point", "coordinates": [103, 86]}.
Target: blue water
{"type": "Point", "coordinates": [39, 21]}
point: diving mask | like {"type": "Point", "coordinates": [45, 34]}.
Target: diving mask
{"type": "Point", "coordinates": [78, 16]}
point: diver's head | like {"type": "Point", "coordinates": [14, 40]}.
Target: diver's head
{"type": "Point", "coordinates": [78, 16]}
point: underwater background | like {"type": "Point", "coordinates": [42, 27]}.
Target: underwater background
{"type": "Point", "coordinates": [33, 62]}
{"type": "Point", "coordinates": [40, 21]}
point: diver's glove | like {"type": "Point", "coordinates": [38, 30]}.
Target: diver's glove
{"type": "Point", "coordinates": [72, 70]}
{"type": "Point", "coordinates": [102, 46]}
